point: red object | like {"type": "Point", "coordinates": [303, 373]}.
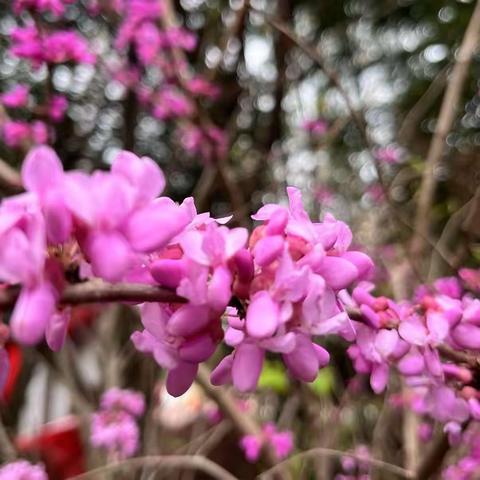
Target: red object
{"type": "Point", "coordinates": [82, 317]}
{"type": "Point", "coordinates": [59, 445]}
{"type": "Point", "coordinates": [15, 358]}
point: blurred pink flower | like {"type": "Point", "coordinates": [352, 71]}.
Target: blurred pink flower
{"type": "Point", "coordinates": [15, 98]}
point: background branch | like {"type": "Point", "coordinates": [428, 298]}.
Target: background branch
{"type": "Point", "coordinates": [446, 118]}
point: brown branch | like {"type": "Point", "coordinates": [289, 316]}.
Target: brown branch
{"type": "Point", "coordinates": [410, 123]}
{"type": "Point", "coordinates": [98, 291]}
{"type": "Point", "coordinates": [433, 459]}
{"type": "Point", "coordinates": [177, 462]}
{"type": "Point", "coordinates": [446, 118]}
{"type": "Point", "coordinates": [10, 179]}
{"type": "Point", "coordinates": [329, 452]}
{"type": "Point", "coordinates": [243, 422]}
{"type": "Point", "coordinates": [459, 357]}
{"type": "Point", "coordinates": [332, 75]}
{"type": "Point", "coordinates": [7, 450]}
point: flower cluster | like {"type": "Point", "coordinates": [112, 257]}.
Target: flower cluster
{"type": "Point", "coordinates": [112, 225]}
{"type": "Point", "coordinates": [60, 46]}
{"type": "Point", "coordinates": [98, 222]}
{"type": "Point", "coordinates": [22, 470]}
{"type": "Point", "coordinates": [468, 467]}
{"type": "Point", "coordinates": [416, 338]}
{"type": "Point", "coordinates": [318, 127]}
{"type": "Point", "coordinates": [355, 468]}
{"type": "Point", "coordinates": [114, 427]}
{"type": "Point", "coordinates": [290, 274]}
{"type": "Point", "coordinates": [146, 40]}
{"type": "Point", "coordinates": [20, 132]}
{"type": "Point", "coordinates": [39, 43]}
{"type": "Point", "coordinates": [281, 443]}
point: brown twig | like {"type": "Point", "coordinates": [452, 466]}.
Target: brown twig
{"type": "Point", "coordinates": [409, 125]}
{"type": "Point", "coordinates": [433, 459]}
{"type": "Point", "coordinates": [98, 291]}
{"type": "Point", "coordinates": [10, 179]}
{"type": "Point", "coordinates": [320, 451]}
{"type": "Point", "coordinates": [177, 462]}
{"type": "Point", "coordinates": [243, 422]}
{"type": "Point", "coordinates": [446, 118]}
{"type": "Point", "coordinates": [7, 450]}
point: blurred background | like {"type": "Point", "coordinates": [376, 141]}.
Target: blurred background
{"type": "Point", "coordinates": [339, 98]}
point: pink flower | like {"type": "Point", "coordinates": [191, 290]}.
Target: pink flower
{"type": "Point", "coordinates": [177, 37]}
{"type": "Point", "coordinates": [200, 86]}
{"type": "Point", "coordinates": [172, 103]}
{"type": "Point", "coordinates": [127, 400]}
{"type": "Point", "coordinates": [15, 133]}
{"type": "Point", "coordinates": [58, 47]}
{"type": "Point", "coordinates": [16, 98]}
{"type": "Point", "coordinates": [57, 107]}
{"type": "Point", "coordinates": [251, 446]}
{"type": "Point", "coordinates": [316, 127]}
{"type": "Point", "coordinates": [389, 155]}
{"type": "Point", "coordinates": [39, 132]}
{"type": "Point", "coordinates": [22, 470]}
{"type": "Point", "coordinates": [66, 46]}
{"type": "Point", "coordinates": [114, 427]}
{"type": "Point", "coordinates": [281, 443]}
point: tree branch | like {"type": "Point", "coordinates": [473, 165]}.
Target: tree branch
{"type": "Point", "coordinates": [10, 179]}
{"type": "Point", "coordinates": [329, 452]}
{"type": "Point", "coordinates": [98, 291]}
{"type": "Point", "coordinates": [243, 422]}
{"type": "Point", "coordinates": [433, 460]}
{"type": "Point", "coordinates": [446, 118]}
{"type": "Point", "coordinates": [177, 462]}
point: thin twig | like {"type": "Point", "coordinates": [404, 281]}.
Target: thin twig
{"type": "Point", "coordinates": [446, 118]}
{"type": "Point", "coordinates": [10, 179]}
{"type": "Point", "coordinates": [178, 462]}
{"type": "Point", "coordinates": [7, 449]}
{"type": "Point", "coordinates": [329, 452]}
{"type": "Point", "coordinates": [409, 125]}
{"type": "Point", "coordinates": [243, 422]}
{"type": "Point", "coordinates": [433, 459]}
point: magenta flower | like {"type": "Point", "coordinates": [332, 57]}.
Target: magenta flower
{"type": "Point", "coordinates": [316, 127]}
{"type": "Point", "coordinates": [16, 98]}
{"type": "Point", "coordinates": [114, 427]}
{"type": "Point", "coordinates": [15, 133]}
{"type": "Point", "coordinates": [57, 107]}
{"type": "Point", "coordinates": [280, 442]}
{"type": "Point", "coordinates": [389, 155]}
{"type": "Point", "coordinates": [22, 470]}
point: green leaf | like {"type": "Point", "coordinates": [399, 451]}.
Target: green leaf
{"type": "Point", "coordinates": [324, 383]}
{"type": "Point", "coordinates": [274, 377]}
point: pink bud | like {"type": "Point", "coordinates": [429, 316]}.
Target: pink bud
{"type": "Point", "coordinates": [188, 320]}
{"type": "Point", "coordinates": [109, 254]}
{"type": "Point", "coordinates": [337, 272]}
{"type": "Point", "coordinates": [180, 379]}
{"type": "Point", "coordinates": [277, 222]}
{"type": "Point", "coordinates": [168, 272]}
{"type": "Point", "coordinates": [153, 226]}
{"type": "Point", "coordinates": [247, 366]}
{"type": "Point", "coordinates": [263, 315]}
{"type": "Point", "coordinates": [303, 362]}
{"type": "Point", "coordinates": [197, 349]}
{"type": "Point", "coordinates": [32, 312]}
{"type": "Point", "coordinates": [268, 249]}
